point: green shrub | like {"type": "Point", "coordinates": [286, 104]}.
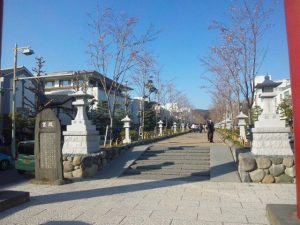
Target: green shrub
{"type": "Point", "coordinates": [132, 133]}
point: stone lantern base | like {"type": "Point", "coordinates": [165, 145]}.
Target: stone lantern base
{"type": "Point", "coordinates": [271, 141]}
{"type": "Point", "coordinates": [81, 142]}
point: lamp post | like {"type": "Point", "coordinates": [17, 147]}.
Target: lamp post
{"type": "Point", "coordinates": [25, 51]}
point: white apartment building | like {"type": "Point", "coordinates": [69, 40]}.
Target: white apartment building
{"type": "Point", "coordinates": [66, 82]}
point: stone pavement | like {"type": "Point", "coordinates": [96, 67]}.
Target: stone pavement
{"type": "Point", "coordinates": [111, 200]}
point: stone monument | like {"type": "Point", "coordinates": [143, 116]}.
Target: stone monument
{"type": "Point", "coordinates": [270, 136]}
{"type": "Point", "coordinates": [182, 127]}
{"type": "Point", "coordinates": [242, 125]}
{"type": "Point", "coordinates": [47, 147]}
{"type": "Point", "coordinates": [81, 137]}
{"type": "Point", "coordinates": [160, 125]}
{"type": "Point", "coordinates": [126, 121]}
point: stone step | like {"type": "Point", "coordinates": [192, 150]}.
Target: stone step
{"type": "Point", "coordinates": [170, 172]}
{"type": "Point", "coordinates": [195, 154]}
{"type": "Point", "coordinates": [167, 177]}
{"type": "Point", "coordinates": [172, 162]}
{"type": "Point", "coordinates": [183, 167]}
{"type": "Point", "coordinates": [177, 150]}
{"type": "Point", "coordinates": [177, 161]}
{"type": "Point", "coordinates": [183, 158]}
{"type": "Point", "coordinates": [170, 169]}
{"type": "Point", "coordinates": [159, 148]}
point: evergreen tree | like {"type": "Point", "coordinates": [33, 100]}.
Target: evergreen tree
{"type": "Point", "coordinates": [100, 116]}
{"type": "Point", "coordinates": [149, 123]}
{"type": "Point", "coordinates": [256, 111]}
{"type": "Point", "coordinates": [286, 110]}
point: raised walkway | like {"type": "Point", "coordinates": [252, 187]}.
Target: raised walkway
{"type": "Point", "coordinates": [109, 198]}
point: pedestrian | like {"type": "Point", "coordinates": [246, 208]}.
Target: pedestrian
{"type": "Point", "coordinates": [201, 128]}
{"type": "Point", "coordinates": [193, 128]}
{"type": "Point", "coordinates": [210, 130]}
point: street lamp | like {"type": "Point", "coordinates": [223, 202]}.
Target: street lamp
{"type": "Point", "coordinates": [25, 51]}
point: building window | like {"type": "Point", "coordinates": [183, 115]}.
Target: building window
{"type": "Point", "coordinates": [64, 83]}
{"type": "Point", "coordinates": [49, 84]}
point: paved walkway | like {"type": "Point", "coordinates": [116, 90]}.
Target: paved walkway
{"type": "Point", "coordinates": [136, 202]}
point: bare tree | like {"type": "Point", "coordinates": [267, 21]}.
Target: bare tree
{"type": "Point", "coordinates": [240, 55]}
{"type": "Point", "coordinates": [197, 117]}
{"type": "Point", "coordinates": [218, 108]}
{"type": "Point", "coordinates": [142, 78]}
{"type": "Point", "coordinates": [114, 51]}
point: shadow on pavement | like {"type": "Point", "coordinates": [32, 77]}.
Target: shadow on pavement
{"type": "Point", "coordinates": [86, 194]}
{"type": "Point", "coordinates": [11, 177]}
{"type": "Point", "coordinates": [65, 223]}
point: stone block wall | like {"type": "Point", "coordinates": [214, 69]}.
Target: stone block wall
{"type": "Point", "coordinates": [78, 166]}
{"type": "Point", "coordinates": [83, 166]}
{"type": "Point", "coordinates": [266, 169]}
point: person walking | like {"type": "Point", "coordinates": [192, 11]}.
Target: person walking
{"type": "Point", "coordinates": [210, 130]}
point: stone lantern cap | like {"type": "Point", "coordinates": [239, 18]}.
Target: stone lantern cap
{"type": "Point", "coordinates": [80, 94]}
{"type": "Point", "coordinates": [267, 83]}
{"type": "Point", "coordinates": [160, 122]}
{"type": "Point", "coordinates": [126, 119]}
{"type": "Point", "coordinates": [242, 116]}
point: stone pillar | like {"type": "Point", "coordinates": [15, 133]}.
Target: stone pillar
{"type": "Point", "coordinates": [182, 127]}
{"type": "Point", "coordinates": [126, 121]}
{"type": "Point", "coordinates": [175, 127]}
{"type": "Point", "coordinates": [242, 125]}
{"type": "Point", "coordinates": [81, 137]}
{"type": "Point", "coordinates": [160, 125]}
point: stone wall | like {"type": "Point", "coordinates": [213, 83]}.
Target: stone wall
{"type": "Point", "coordinates": [266, 169]}
{"type": "Point", "coordinates": [78, 166]}
{"type": "Point", "coordinates": [83, 166]}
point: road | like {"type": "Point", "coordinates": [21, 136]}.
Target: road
{"type": "Point", "coordinates": [11, 177]}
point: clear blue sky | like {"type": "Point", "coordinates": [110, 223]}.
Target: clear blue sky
{"type": "Point", "coordinates": [58, 31]}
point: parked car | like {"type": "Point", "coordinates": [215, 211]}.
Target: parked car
{"type": "Point", "coordinates": [25, 160]}
{"type": "Point", "coordinates": [5, 161]}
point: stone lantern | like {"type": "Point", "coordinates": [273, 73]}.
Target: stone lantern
{"type": "Point", "coordinates": [81, 137]}
{"type": "Point", "coordinates": [126, 122]}
{"type": "Point", "coordinates": [270, 136]}
{"type": "Point", "coordinates": [160, 125]}
{"type": "Point", "coordinates": [242, 125]}
{"type": "Point", "coordinates": [175, 127]}
{"type": "Point", "coordinates": [182, 127]}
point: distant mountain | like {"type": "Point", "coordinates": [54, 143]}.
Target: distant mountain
{"type": "Point", "coordinates": [200, 114]}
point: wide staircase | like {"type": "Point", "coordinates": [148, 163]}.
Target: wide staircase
{"type": "Point", "coordinates": [165, 162]}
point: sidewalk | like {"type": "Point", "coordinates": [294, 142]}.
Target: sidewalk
{"type": "Point", "coordinates": [130, 201]}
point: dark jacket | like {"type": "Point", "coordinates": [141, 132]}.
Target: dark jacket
{"type": "Point", "coordinates": [210, 126]}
